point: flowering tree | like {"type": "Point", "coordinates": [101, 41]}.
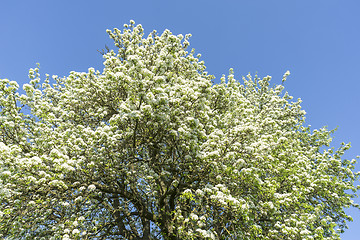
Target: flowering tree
{"type": "Point", "coordinates": [151, 149]}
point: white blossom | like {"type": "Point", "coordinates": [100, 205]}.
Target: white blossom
{"type": "Point", "coordinates": [152, 138]}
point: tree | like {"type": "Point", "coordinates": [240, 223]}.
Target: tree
{"type": "Point", "coordinates": [151, 148]}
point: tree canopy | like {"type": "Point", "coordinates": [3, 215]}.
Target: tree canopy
{"type": "Point", "coordinates": [152, 148]}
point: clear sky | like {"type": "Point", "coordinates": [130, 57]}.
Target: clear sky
{"type": "Point", "coordinates": [318, 41]}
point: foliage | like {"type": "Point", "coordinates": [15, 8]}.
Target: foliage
{"type": "Point", "coordinates": [152, 149]}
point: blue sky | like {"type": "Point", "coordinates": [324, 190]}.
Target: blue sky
{"type": "Point", "coordinates": [318, 41]}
